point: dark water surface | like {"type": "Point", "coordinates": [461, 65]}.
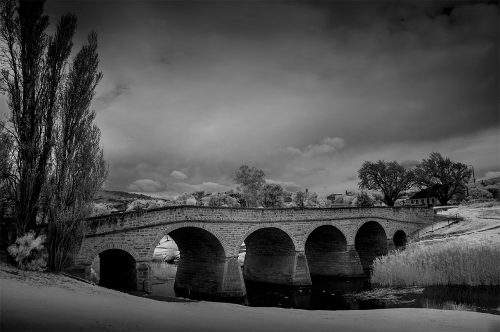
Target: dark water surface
{"type": "Point", "coordinates": [329, 293]}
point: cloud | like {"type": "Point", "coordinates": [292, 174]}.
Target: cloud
{"type": "Point", "coordinates": [327, 146]}
{"type": "Point", "coordinates": [491, 174]}
{"type": "Point", "coordinates": [219, 85]}
{"type": "Point", "coordinates": [145, 185]}
{"type": "Point", "coordinates": [110, 96]}
{"type": "Point", "coordinates": [178, 175]}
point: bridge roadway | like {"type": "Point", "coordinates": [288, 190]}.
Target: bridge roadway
{"type": "Point", "coordinates": [283, 246]}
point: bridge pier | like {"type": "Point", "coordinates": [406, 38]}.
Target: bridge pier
{"type": "Point", "coordinates": [285, 269]}
{"type": "Point", "coordinates": [219, 278]}
{"type": "Point", "coordinates": [232, 279]}
{"type": "Point", "coordinates": [144, 276]}
{"type": "Point", "coordinates": [390, 245]}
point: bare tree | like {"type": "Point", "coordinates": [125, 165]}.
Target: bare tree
{"type": "Point", "coordinates": [389, 177]}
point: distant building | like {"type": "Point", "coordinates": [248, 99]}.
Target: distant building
{"type": "Point", "coordinates": [423, 197]}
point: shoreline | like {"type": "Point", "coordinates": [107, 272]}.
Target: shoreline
{"type": "Point", "coordinates": [32, 301]}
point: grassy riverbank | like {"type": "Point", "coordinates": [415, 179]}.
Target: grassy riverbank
{"type": "Point", "coordinates": [464, 253]}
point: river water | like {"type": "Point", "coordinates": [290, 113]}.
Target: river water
{"type": "Point", "coordinates": [342, 294]}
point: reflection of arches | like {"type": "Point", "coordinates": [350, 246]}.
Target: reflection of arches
{"type": "Point", "coordinates": [202, 259]}
{"type": "Point", "coordinates": [117, 270]}
{"type": "Point", "coordinates": [270, 256]}
{"type": "Point", "coordinates": [399, 239]}
{"type": "Point", "coordinates": [370, 242]}
{"type": "Point", "coordinates": [325, 250]}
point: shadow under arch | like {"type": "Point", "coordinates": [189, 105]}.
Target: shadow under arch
{"type": "Point", "coordinates": [202, 261]}
{"type": "Point", "coordinates": [400, 240]}
{"type": "Point", "coordinates": [326, 252]}
{"type": "Point", "coordinates": [117, 270]}
{"type": "Point", "coordinates": [370, 242]}
{"type": "Point", "coordinates": [271, 257]}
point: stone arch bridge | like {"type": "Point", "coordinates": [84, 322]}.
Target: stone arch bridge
{"type": "Point", "coordinates": [283, 246]}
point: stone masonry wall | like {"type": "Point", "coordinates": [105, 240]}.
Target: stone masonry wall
{"type": "Point", "coordinates": [140, 232]}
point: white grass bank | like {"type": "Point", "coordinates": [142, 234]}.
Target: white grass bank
{"type": "Point", "coordinates": [47, 302]}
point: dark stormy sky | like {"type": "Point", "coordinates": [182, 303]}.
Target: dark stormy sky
{"type": "Point", "coordinates": [306, 91]}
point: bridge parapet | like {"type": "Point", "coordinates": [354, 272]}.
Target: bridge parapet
{"type": "Point", "coordinates": [137, 219]}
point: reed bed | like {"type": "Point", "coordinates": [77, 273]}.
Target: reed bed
{"type": "Point", "coordinates": [454, 262]}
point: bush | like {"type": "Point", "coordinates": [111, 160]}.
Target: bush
{"type": "Point", "coordinates": [27, 252]}
{"type": "Point", "coordinates": [363, 199]}
{"type": "Point", "coordinates": [479, 193]}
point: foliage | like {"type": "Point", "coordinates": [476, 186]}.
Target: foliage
{"type": "Point", "coordinates": [272, 195]}
{"type": "Point", "coordinates": [58, 165]}
{"type": "Point", "coordinates": [494, 190]}
{"type": "Point", "coordinates": [79, 166]}
{"type": "Point", "coordinates": [251, 181]}
{"type": "Point", "coordinates": [454, 262]}
{"type": "Point", "coordinates": [5, 172]}
{"type": "Point", "coordinates": [444, 176]}
{"type": "Point", "coordinates": [222, 200]}
{"type": "Point", "coordinates": [479, 193]}
{"type": "Point", "coordinates": [146, 204]}
{"type": "Point", "coordinates": [287, 196]}
{"type": "Point", "coordinates": [198, 196]}
{"type": "Point", "coordinates": [389, 177]}
{"type": "Point", "coordinates": [363, 199]}
{"type": "Point", "coordinates": [27, 252]}
{"type": "Point", "coordinates": [324, 203]}
{"type": "Point", "coordinates": [299, 199]}
{"type": "Point", "coordinates": [311, 200]}
{"type": "Point", "coordinates": [32, 71]}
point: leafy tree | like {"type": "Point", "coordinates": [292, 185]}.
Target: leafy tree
{"type": "Point", "coordinates": [311, 200]}
{"type": "Point", "coordinates": [299, 199]}
{"type": "Point", "coordinates": [79, 167]}
{"type": "Point", "coordinates": [5, 177]}
{"type": "Point", "coordinates": [363, 199]}
{"type": "Point", "coordinates": [251, 180]}
{"type": "Point", "coordinates": [222, 199]}
{"type": "Point", "coordinates": [287, 196]}
{"type": "Point", "coordinates": [445, 177]}
{"type": "Point", "coordinates": [198, 195]}
{"type": "Point", "coordinates": [389, 177]}
{"type": "Point", "coordinates": [272, 195]}
{"type": "Point", "coordinates": [32, 71]}
{"type": "Point", "coordinates": [57, 162]}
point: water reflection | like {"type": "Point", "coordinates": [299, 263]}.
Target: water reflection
{"type": "Point", "coordinates": [329, 293]}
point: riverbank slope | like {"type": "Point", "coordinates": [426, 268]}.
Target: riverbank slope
{"type": "Point", "coordinates": [32, 301]}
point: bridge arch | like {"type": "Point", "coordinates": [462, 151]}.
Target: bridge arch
{"type": "Point", "coordinates": [370, 242]}
{"type": "Point", "coordinates": [242, 239]}
{"type": "Point", "coordinates": [202, 259]}
{"type": "Point", "coordinates": [399, 239]}
{"type": "Point", "coordinates": [117, 266]}
{"type": "Point", "coordinates": [113, 245]}
{"type": "Point", "coordinates": [270, 256]}
{"type": "Point", "coordinates": [325, 250]}
{"type": "Point", "coordinates": [167, 230]}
